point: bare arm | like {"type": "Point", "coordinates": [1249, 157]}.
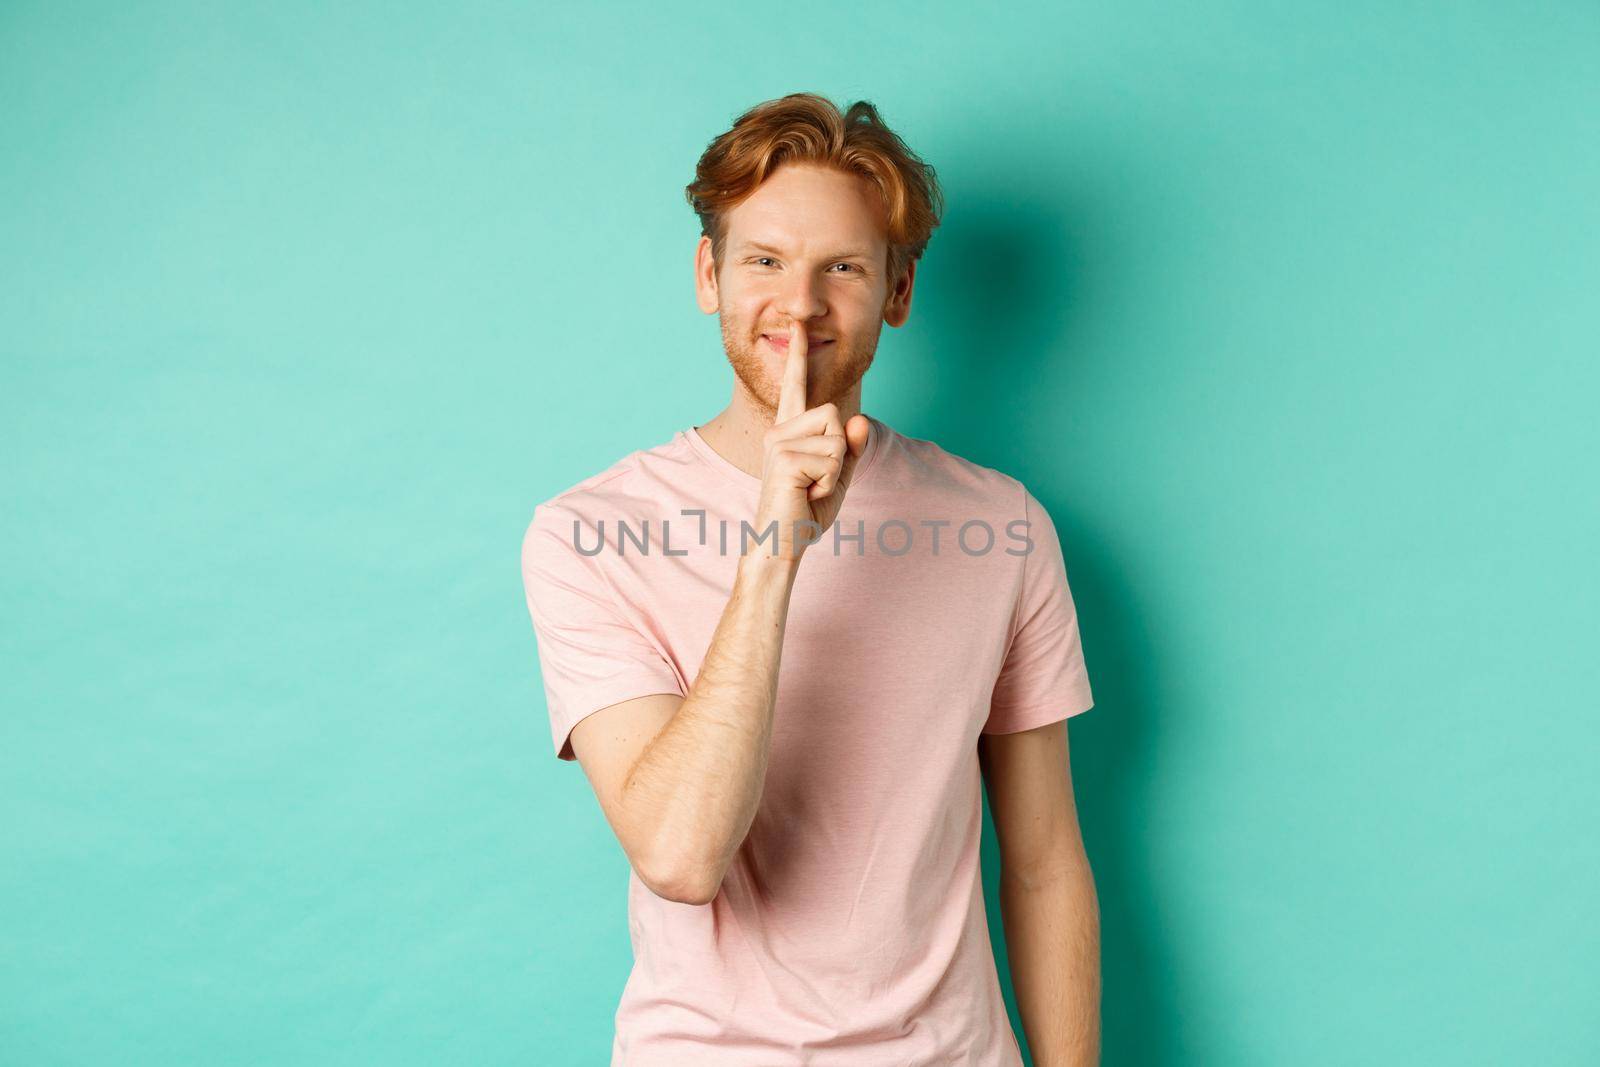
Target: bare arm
{"type": "Point", "coordinates": [1047, 896]}
{"type": "Point", "coordinates": [680, 780]}
{"type": "Point", "coordinates": [687, 802]}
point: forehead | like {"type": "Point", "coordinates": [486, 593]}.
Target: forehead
{"type": "Point", "coordinates": [802, 206]}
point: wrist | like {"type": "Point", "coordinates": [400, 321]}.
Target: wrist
{"type": "Point", "coordinates": [761, 566]}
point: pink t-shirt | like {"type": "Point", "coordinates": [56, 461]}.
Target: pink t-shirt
{"type": "Point", "coordinates": [850, 928]}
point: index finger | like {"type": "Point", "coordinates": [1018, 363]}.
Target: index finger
{"type": "Point", "coordinates": [792, 396]}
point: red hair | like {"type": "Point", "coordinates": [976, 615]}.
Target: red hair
{"type": "Point", "coordinates": [808, 128]}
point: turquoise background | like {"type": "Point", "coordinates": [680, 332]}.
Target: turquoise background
{"type": "Point", "coordinates": [1286, 311]}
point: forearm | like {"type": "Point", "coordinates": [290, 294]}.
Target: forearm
{"type": "Point", "coordinates": [1052, 924]}
{"type": "Point", "coordinates": [696, 786]}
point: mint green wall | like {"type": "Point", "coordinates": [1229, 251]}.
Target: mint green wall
{"type": "Point", "coordinates": [1287, 313]}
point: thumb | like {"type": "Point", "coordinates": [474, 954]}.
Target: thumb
{"type": "Point", "coordinates": [856, 433]}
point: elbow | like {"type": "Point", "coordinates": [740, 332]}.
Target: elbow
{"type": "Point", "coordinates": [681, 883]}
{"type": "Point", "coordinates": [689, 893]}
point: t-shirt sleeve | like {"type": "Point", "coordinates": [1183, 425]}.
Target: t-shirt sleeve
{"type": "Point", "coordinates": [590, 655]}
{"type": "Point", "coordinates": [1043, 678]}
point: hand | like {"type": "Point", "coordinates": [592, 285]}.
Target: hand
{"type": "Point", "coordinates": [809, 459]}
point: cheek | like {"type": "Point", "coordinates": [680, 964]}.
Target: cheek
{"type": "Point", "coordinates": [748, 307]}
{"type": "Point", "coordinates": [734, 296]}
{"type": "Point", "coordinates": [862, 302]}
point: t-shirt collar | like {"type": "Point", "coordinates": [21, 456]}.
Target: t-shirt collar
{"type": "Point", "coordinates": [876, 433]}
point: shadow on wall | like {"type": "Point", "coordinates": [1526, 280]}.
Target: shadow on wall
{"type": "Point", "coordinates": [1008, 298]}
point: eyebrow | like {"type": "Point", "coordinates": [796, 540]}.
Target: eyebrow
{"type": "Point", "coordinates": [757, 246]}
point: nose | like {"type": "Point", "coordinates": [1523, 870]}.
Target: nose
{"type": "Point", "coordinates": [801, 298]}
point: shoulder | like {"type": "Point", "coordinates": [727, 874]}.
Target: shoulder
{"type": "Point", "coordinates": [933, 469]}
{"type": "Point", "coordinates": [625, 487]}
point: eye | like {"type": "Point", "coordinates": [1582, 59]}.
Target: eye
{"type": "Point", "coordinates": [851, 266]}
{"type": "Point", "coordinates": [762, 260]}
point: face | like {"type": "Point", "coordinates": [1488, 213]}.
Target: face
{"type": "Point", "coordinates": [810, 245]}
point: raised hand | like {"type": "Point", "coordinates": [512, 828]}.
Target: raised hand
{"type": "Point", "coordinates": [809, 459]}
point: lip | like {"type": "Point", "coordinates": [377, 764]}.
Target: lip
{"type": "Point", "coordinates": [781, 343]}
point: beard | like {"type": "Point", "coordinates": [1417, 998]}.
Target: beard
{"type": "Point", "coordinates": [761, 375]}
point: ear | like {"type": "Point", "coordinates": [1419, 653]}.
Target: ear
{"type": "Point", "coordinates": [705, 277]}
{"type": "Point", "coordinates": [897, 309]}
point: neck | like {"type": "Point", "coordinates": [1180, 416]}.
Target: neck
{"type": "Point", "coordinates": [735, 432]}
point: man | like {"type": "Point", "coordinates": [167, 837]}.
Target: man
{"type": "Point", "coordinates": [783, 648]}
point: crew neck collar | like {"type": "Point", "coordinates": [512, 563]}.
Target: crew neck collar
{"type": "Point", "coordinates": [876, 433]}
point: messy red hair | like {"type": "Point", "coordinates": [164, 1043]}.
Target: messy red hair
{"type": "Point", "coordinates": [808, 128]}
